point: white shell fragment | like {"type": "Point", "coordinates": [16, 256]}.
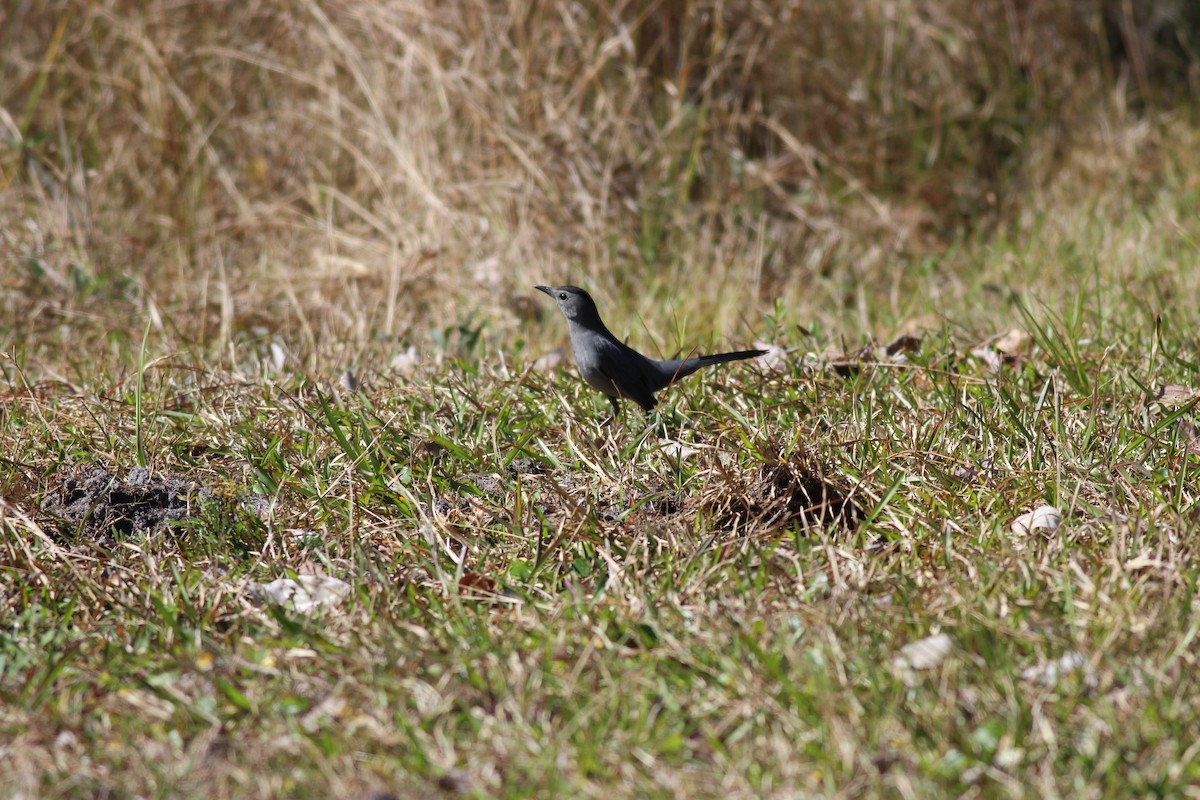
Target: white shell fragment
{"type": "Point", "coordinates": [676, 449]}
{"type": "Point", "coordinates": [279, 356]}
{"type": "Point", "coordinates": [775, 359]}
{"type": "Point", "coordinates": [405, 361]}
{"type": "Point", "coordinates": [307, 593]}
{"type": "Point", "coordinates": [921, 655]}
{"type": "Point", "coordinates": [990, 357]}
{"type": "Point", "coordinates": [1049, 674]}
{"type": "Point", "coordinates": [1042, 518]}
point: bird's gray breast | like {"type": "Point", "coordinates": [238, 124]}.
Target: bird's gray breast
{"type": "Point", "coordinates": [597, 360]}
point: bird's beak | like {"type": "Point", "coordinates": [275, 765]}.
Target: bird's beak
{"type": "Point", "coordinates": [545, 289]}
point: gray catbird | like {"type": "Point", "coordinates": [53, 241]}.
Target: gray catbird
{"type": "Point", "coordinates": [609, 365]}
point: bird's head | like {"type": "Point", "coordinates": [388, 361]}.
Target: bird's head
{"type": "Point", "coordinates": [576, 304]}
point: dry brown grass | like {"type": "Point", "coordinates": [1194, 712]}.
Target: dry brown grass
{"type": "Point", "coordinates": [330, 173]}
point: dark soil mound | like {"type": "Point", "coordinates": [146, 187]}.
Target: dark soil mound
{"type": "Point", "coordinates": [93, 503]}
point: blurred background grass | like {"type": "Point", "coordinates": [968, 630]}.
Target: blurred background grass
{"type": "Point", "coordinates": [350, 177]}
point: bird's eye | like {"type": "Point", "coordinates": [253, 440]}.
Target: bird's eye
{"type": "Point", "coordinates": [562, 295]}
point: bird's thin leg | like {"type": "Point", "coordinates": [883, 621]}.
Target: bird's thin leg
{"type": "Point", "coordinates": [616, 409]}
{"type": "Point", "coordinates": [657, 420]}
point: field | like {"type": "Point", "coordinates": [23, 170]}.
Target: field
{"type": "Point", "coordinates": [300, 495]}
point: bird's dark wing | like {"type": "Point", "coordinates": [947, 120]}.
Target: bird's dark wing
{"type": "Point", "coordinates": [624, 370]}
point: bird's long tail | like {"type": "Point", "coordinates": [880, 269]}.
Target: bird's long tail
{"type": "Point", "coordinates": [684, 367]}
{"type": "Point", "coordinates": [721, 358]}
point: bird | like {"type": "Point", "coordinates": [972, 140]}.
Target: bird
{"type": "Point", "coordinates": [614, 368]}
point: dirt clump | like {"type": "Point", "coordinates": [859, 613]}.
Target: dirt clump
{"type": "Point", "coordinates": [93, 503]}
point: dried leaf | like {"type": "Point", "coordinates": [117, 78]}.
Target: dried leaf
{"type": "Point", "coordinates": [1189, 436]}
{"type": "Point", "coordinates": [348, 383]}
{"type": "Point", "coordinates": [848, 365]}
{"type": "Point", "coordinates": [903, 344]}
{"type": "Point", "coordinates": [477, 586]}
{"type": "Point", "coordinates": [1174, 394]}
{"type": "Point", "coordinates": [1014, 343]}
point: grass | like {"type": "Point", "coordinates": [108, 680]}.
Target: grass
{"type": "Point", "coordinates": [204, 226]}
{"type": "Point", "coordinates": [541, 607]}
